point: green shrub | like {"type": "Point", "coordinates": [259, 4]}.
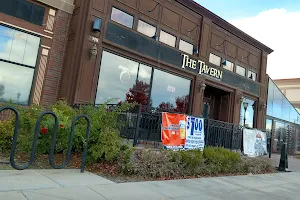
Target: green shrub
{"type": "Point", "coordinates": [212, 161]}
{"type": "Point", "coordinates": [105, 141]}
{"type": "Point", "coordinates": [6, 134]}
{"type": "Point", "coordinates": [154, 163]}
{"type": "Point", "coordinates": [220, 160]}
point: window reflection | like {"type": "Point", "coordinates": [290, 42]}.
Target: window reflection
{"type": "Point", "coordinates": [286, 107]}
{"type": "Point", "coordinates": [141, 90]}
{"type": "Point", "coordinates": [15, 83]}
{"type": "Point", "coordinates": [146, 28]}
{"type": "Point", "coordinates": [126, 80]}
{"type": "Point", "coordinates": [270, 98]}
{"type": "Point", "coordinates": [167, 38]}
{"type": "Point", "coordinates": [117, 77]}
{"type": "Point", "coordinates": [19, 47]}
{"type": "Point", "coordinates": [252, 75]}
{"type": "Point", "coordinates": [122, 17]}
{"type": "Point", "coordinates": [16, 79]}
{"type": "Point", "coordinates": [277, 103]}
{"type": "Point", "coordinates": [170, 92]}
{"type": "Point", "coordinates": [186, 47]}
{"type": "Point", "coordinates": [228, 66]}
{"type": "Point", "coordinates": [240, 70]}
{"type": "Point", "coordinates": [247, 113]}
{"type": "Point", "coordinates": [216, 60]}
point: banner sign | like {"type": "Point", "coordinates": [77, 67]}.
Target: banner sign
{"type": "Point", "coordinates": [173, 131]}
{"type": "Point", "coordinates": [179, 132]}
{"type": "Point", "coordinates": [254, 142]}
{"type": "Point", "coordinates": [194, 133]}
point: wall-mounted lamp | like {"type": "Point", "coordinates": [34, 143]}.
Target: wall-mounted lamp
{"type": "Point", "coordinates": [93, 52]}
{"type": "Point", "coordinates": [224, 62]}
{"type": "Point", "coordinates": [153, 8]}
{"type": "Point", "coordinates": [154, 37]}
{"type": "Point", "coordinates": [202, 86]}
{"type": "Point", "coordinates": [195, 50]}
{"type": "Point", "coordinates": [246, 56]}
{"type": "Point", "coordinates": [263, 106]}
{"type": "Point", "coordinates": [241, 99]}
{"type": "Point", "coordinates": [97, 24]}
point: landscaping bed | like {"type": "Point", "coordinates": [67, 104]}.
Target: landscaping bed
{"type": "Point", "coordinates": [107, 155]}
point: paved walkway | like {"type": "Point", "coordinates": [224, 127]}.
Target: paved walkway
{"type": "Point", "coordinates": [72, 185]}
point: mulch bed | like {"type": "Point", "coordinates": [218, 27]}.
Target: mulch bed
{"type": "Point", "coordinates": [108, 170]}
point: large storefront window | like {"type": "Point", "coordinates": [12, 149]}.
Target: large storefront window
{"type": "Point", "coordinates": [247, 114]}
{"type": "Point", "coordinates": [126, 80]}
{"type": "Point", "coordinates": [117, 78]}
{"type": "Point", "coordinates": [170, 92]}
{"type": "Point", "coordinates": [18, 55]}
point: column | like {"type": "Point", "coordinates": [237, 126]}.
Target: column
{"type": "Point", "coordinates": [198, 94]}
{"type": "Point", "coordinates": [238, 98]}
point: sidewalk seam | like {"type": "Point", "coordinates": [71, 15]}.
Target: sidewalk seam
{"type": "Point", "coordinates": [23, 194]}
{"type": "Point", "coordinates": [97, 192]}
{"type": "Point", "coordinates": [49, 178]}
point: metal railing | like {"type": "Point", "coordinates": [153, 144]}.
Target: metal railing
{"type": "Point", "coordinates": [144, 126]}
{"type": "Point", "coordinates": [53, 142]}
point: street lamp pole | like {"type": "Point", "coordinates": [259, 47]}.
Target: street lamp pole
{"type": "Point", "coordinates": [245, 104]}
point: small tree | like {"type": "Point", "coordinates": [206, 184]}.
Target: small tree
{"type": "Point", "coordinates": [2, 90]}
{"type": "Point", "coordinates": [139, 93]}
{"type": "Point", "coordinates": [18, 95]}
{"type": "Point", "coordinates": [182, 104]}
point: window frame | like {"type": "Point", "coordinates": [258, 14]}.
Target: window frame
{"type": "Point", "coordinates": [214, 63]}
{"type": "Point", "coordinates": [233, 65]}
{"type": "Point", "coordinates": [35, 68]}
{"type": "Point", "coordinates": [256, 77]}
{"type": "Point", "coordinates": [254, 110]}
{"type": "Point", "coordinates": [241, 67]}
{"type": "Point", "coordinates": [151, 24]}
{"type": "Point", "coordinates": [164, 30]}
{"type": "Point", "coordinates": [117, 8]}
{"type": "Point", "coordinates": [181, 39]}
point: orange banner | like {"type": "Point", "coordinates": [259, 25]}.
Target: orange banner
{"type": "Point", "coordinates": [173, 130]}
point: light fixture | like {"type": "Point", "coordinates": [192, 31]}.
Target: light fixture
{"type": "Point", "coordinates": [93, 52]}
{"type": "Point", "coordinates": [224, 62]}
{"type": "Point", "coordinates": [202, 86]}
{"type": "Point", "coordinates": [155, 36]}
{"type": "Point", "coordinates": [245, 104]}
{"type": "Point", "coordinates": [251, 76]}
{"type": "Point", "coordinates": [195, 50]}
{"type": "Point", "coordinates": [97, 24]}
{"type": "Point", "coordinates": [153, 8]}
{"type": "Point", "coordinates": [241, 98]}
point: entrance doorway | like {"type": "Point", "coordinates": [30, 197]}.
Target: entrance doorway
{"type": "Point", "coordinates": [216, 104]}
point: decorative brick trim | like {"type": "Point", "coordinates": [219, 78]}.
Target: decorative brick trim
{"type": "Point", "coordinates": [52, 79]}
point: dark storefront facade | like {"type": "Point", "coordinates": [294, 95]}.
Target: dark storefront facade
{"type": "Point", "coordinates": [168, 55]}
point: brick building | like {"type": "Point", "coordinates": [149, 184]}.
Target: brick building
{"type": "Point", "coordinates": [168, 54]}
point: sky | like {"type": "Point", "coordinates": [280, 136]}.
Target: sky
{"type": "Point", "coordinates": [273, 23]}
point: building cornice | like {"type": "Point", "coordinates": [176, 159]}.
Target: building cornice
{"type": "Point", "coordinates": [64, 5]}
{"type": "Point", "coordinates": [224, 24]}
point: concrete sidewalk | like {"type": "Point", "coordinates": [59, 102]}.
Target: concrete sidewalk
{"type": "Point", "coordinates": [72, 185]}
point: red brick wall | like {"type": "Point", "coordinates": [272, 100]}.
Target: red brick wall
{"type": "Point", "coordinates": [50, 93]}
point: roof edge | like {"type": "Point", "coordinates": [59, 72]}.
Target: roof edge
{"type": "Point", "coordinates": [192, 5]}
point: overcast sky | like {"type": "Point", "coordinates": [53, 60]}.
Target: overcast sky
{"type": "Point", "coordinates": [275, 23]}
